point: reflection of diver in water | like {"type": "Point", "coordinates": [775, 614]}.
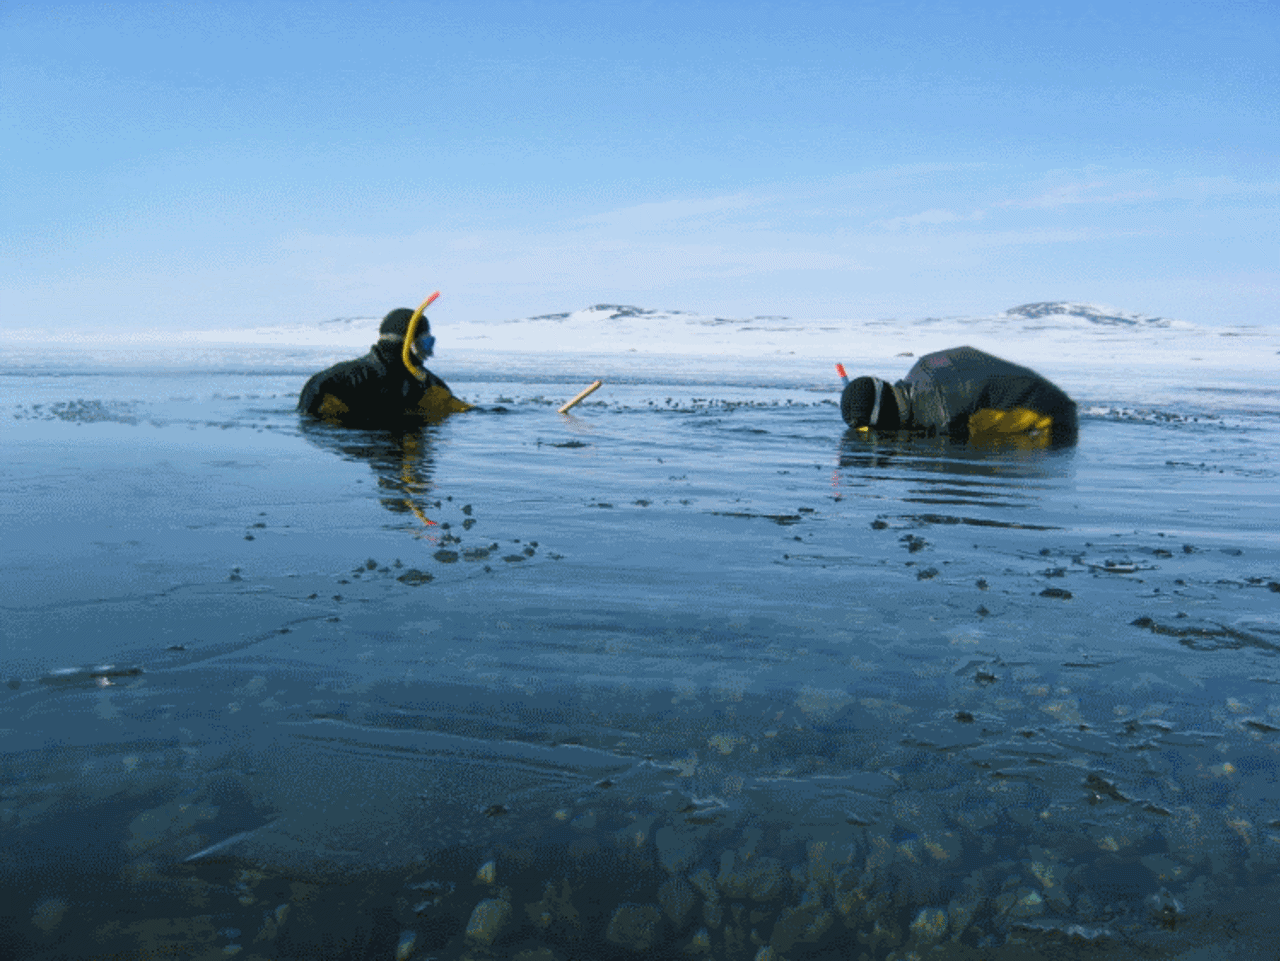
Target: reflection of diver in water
{"type": "Point", "coordinates": [401, 461]}
{"type": "Point", "coordinates": [384, 388]}
{"type": "Point", "coordinates": [968, 395]}
{"type": "Point", "coordinates": [1001, 476]}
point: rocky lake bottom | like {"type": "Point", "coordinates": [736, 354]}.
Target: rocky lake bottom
{"type": "Point", "coordinates": [690, 672]}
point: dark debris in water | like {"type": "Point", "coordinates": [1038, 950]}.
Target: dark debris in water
{"type": "Point", "coordinates": [1258, 724]}
{"type": "Point", "coordinates": [976, 522]}
{"type": "Point", "coordinates": [780, 519]}
{"type": "Point", "coordinates": [82, 412]}
{"type": "Point", "coordinates": [1100, 787]}
{"type": "Point", "coordinates": [414, 577]}
{"type": "Point", "coordinates": [1208, 636]}
{"type": "Point", "coordinates": [913, 542]}
{"type": "Point", "coordinates": [1057, 592]}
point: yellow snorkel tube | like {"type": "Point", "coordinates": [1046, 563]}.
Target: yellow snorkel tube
{"type": "Point", "coordinates": [412, 334]}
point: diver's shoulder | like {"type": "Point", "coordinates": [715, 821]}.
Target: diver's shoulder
{"type": "Point", "coordinates": [355, 370]}
{"type": "Point", "coordinates": [309, 396]}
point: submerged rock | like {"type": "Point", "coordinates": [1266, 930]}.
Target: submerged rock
{"type": "Point", "coordinates": [487, 921]}
{"type": "Point", "coordinates": [677, 846]}
{"type": "Point", "coordinates": [929, 926]}
{"type": "Point", "coordinates": [408, 941]}
{"type": "Point", "coordinates": [48, 914]}
{"type": "Point", "coordinates": [760, 879]}
{"type": "Point", "coordinates": [805, 923]}
{"type": "Point", "coordinates": [1164, 909]}
{"type": "Point", "coordinates": [1019, 904]}
{"type": "Point", "coordinates": [966, 904]}
{"type": "Point", "coordinates": [699, 944]}
{"type": "Point", "coordinates": [634, 927]}
{"type": "Point", "coordinates": [677, 898]}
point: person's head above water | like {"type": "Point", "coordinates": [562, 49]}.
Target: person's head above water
{"type": "Point", "coordinates": [396, 324]}
{"type": "Point", "coordinates": [870, 402]}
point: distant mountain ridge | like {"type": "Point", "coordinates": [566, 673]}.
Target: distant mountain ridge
{"type": "Point", "coordinates": [1093, 313]}
{"type": "Point", "coordinates": [612, 312]}
{"type": "Point", "coordinates": [1042, 310]}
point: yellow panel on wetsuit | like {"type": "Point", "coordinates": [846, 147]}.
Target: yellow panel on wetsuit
{"type": "Point", "coordinates": [331, 407]}
{"type": "Point", "coordinates": [1016, 420]}
{"type": "Point", "coordinates": [437, 401]}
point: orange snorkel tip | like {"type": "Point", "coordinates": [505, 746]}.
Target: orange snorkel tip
{"type": "Point", "coordinates": [411, 335]}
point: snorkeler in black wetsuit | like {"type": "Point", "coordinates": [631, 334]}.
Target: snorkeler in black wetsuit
{"type": "Point", "coordinates": [383, 388]}
{"type": "Point", "coordinates": [965, 394]}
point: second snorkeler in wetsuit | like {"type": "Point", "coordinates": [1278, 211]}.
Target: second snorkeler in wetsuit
{"type": "Point", "coordinates": [966, 394]}
{"type": "Point", "coordinates": [380, 389]}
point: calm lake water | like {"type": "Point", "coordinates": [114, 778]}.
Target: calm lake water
{"type": "Point", "coordinates": [692, 670]}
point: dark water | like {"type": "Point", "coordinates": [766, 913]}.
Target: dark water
{"type": "Point", "coordinates": [693, 672]}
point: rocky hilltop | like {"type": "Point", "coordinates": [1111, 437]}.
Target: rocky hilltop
{"type": "Point", "coordinates": [1104, 316]}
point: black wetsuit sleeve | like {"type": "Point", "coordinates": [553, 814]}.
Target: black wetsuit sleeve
{"type": "Point", "coordinates": [927, 409]}
{"type": "Point", "coordinates": [356, 383]}
{"type": "Point", "coordinates": [309, 399]}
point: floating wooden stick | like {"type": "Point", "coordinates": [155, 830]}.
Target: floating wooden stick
{"type": "Point", "coordinates": [586, 393]}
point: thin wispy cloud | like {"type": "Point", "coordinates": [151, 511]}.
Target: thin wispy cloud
{"type": "Point", "coordinates": [667, 212]}
{"type": "Point", "coordinates": [930, 218]}
{"type": "Point", "coordinates": [1086, 193]}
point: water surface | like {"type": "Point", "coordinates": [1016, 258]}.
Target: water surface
{"type": "Point", "coordinates": [692, 668]}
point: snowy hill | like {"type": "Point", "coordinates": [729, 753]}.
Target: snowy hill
{"type": "Point", "coordinates": [1093, 313]}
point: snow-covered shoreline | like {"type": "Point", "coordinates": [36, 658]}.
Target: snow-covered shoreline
{"type": "Point", "coordinates": [1050, 332]}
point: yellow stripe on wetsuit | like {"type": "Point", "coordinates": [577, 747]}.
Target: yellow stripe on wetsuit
{"type": "Point", "coordinates": [438, 401]}
{"type": "Point", "coordinates": [1017, 428]}
{"type": "Point", "coordinates": [1016, 420]}
{"type": "Point", "coordinates": [332, 407]}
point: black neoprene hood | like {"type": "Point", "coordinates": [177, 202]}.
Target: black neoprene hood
{"type": "Point", "coordinates": [871, 402]}
{"type": "Point", "coordinates": [858, 400]}
{"type": "Point", "coordinates": [396, 323]}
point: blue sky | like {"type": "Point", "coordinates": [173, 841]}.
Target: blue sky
{"type": "Point", "coordinates": [202, 165]}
